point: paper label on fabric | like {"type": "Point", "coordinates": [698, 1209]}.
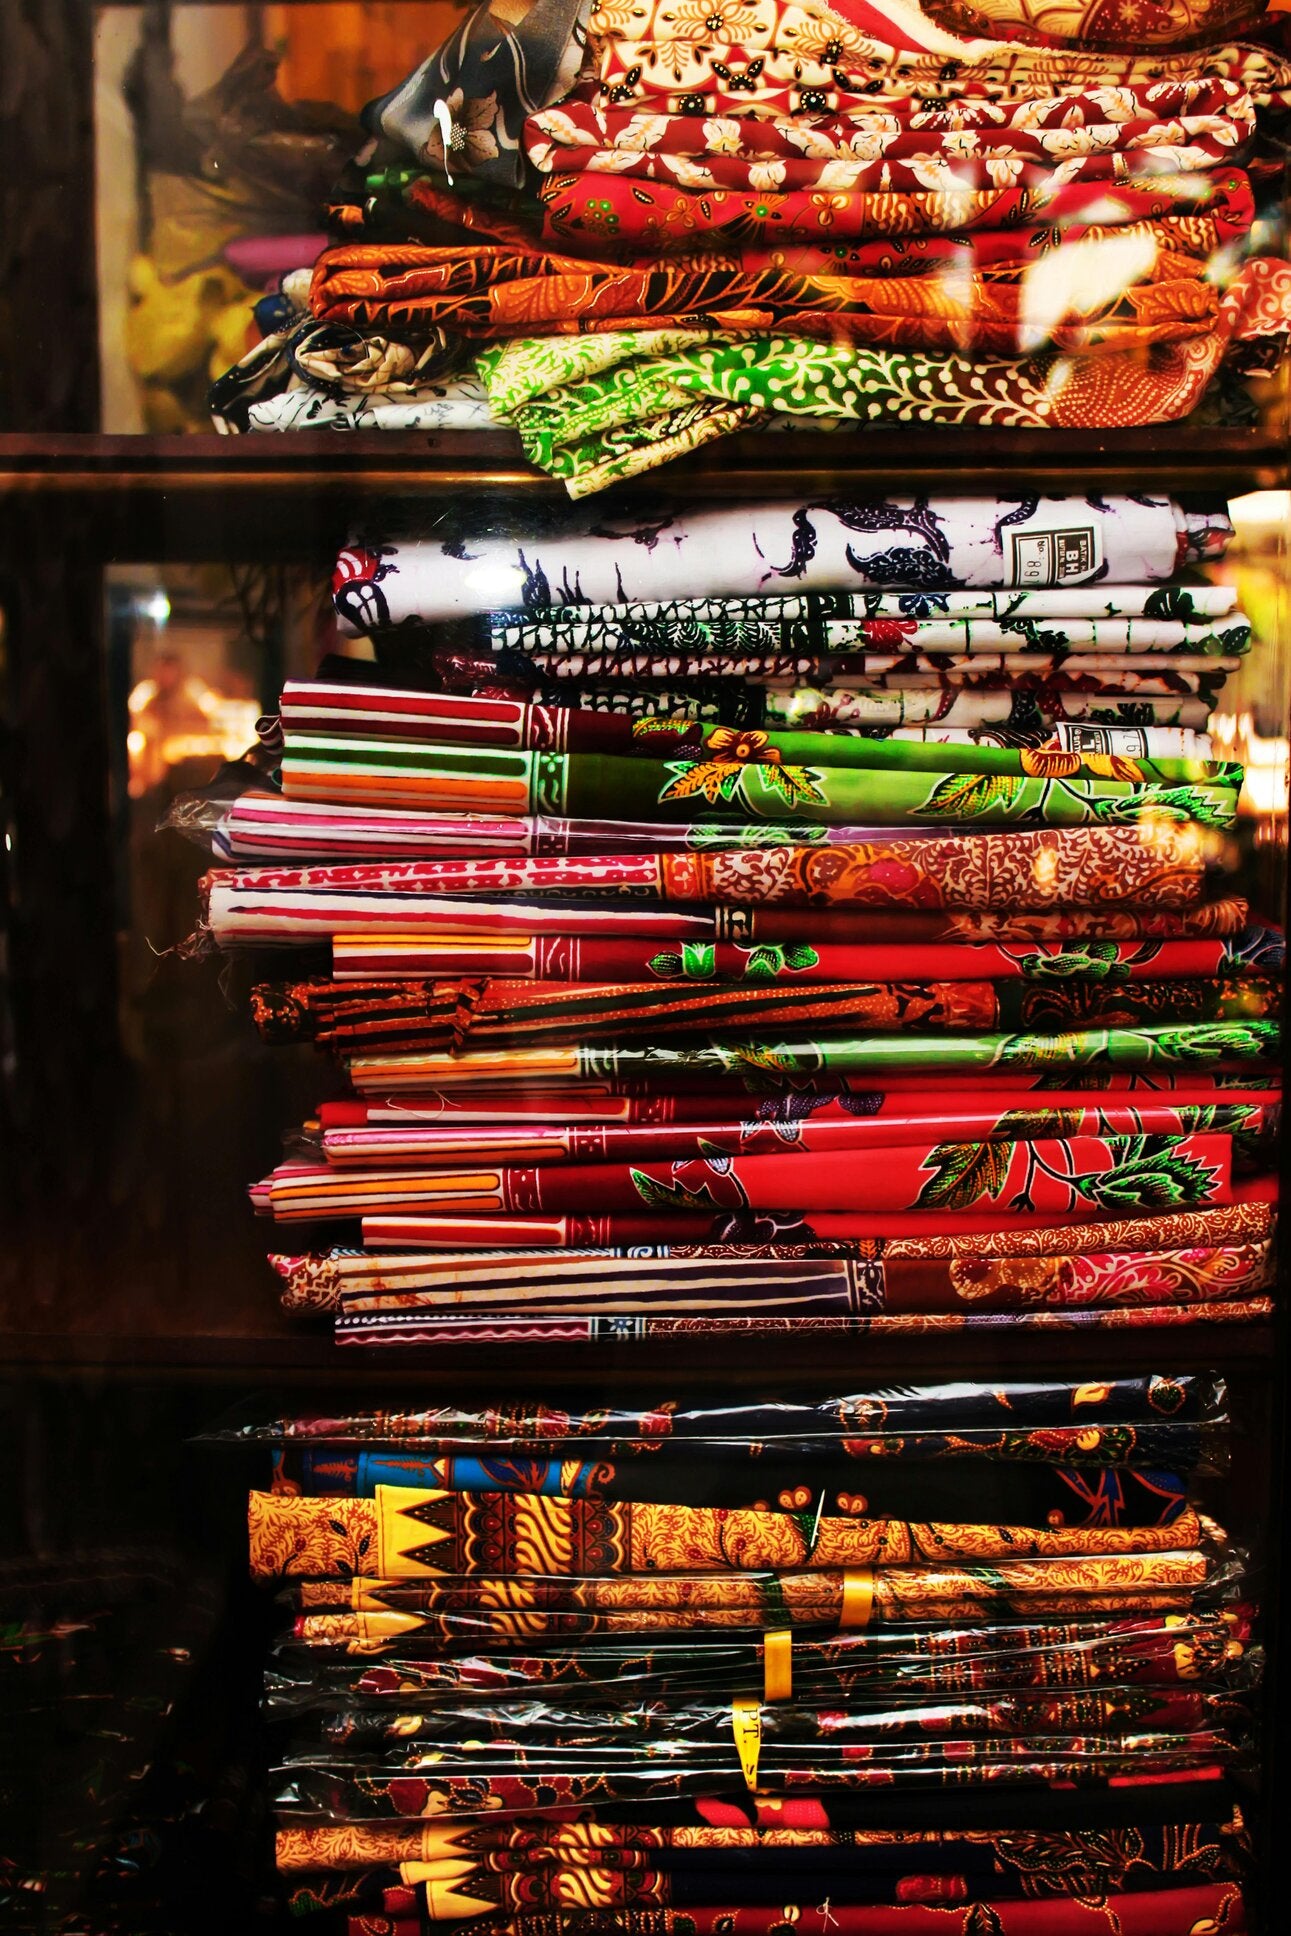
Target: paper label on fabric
{"type": "Point", "coordinates": [858, 1597]}
{"type": "Point", "coordinates": [1054, 548]}
{"type": "Point", "coordinates": [746, 1725]}
{"type": "Point", "coordinates": [1076, 737]}
{"type": "Point", "coordinates": [777, 1665]}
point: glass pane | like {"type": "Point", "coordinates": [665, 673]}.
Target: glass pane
{"type": "Point", "coordinates": [645, 667]}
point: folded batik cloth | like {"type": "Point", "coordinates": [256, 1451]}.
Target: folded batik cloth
{"type": "Point", "coordinates": [1054, 1861]}
{"type": "Point", "coordinates": [1155, 1912]}
{"type": "Point", "coordinates": [777, 1279]}
{"type": "Point", "coordinates": [312, 373]}
{"type": "Point", "coordinates": [598, 1100]}
{"type": "Point", "coordinates": [463, 1608]}
{"type": "Point", "coordinates": [589, 418]}
{"type": "Point", "coordinates": [639, 217]}
{"type": "Point", "coordinates": [827, 286]}
{"type": "Point", "coordinates": [367, 1616]}
{"type": "Point", "coordinates": [753, 64]}
{"type": "Point", "coordinates": [1039, 1495]}
{"type": "Point", "coordinates": [459, 403]}
{"type": "Point", "coordinates": [928, 544]}
{"type": "Point", "coordinates": [1064, 1177]}
{"type": "Point", "coordinates": [262, 825]}
{"type": "Point", "coordinates": [799, 684]}
{"type": "Point", "coordinates": [382, 961]}
{"type": "Point", "coordinates": [796, 686]}
{"type": "Point", "coordinates": [970, 1420]}
{"type": "Point", "coordinates": [404, 1533]}
{"type": "Point", "coordinates": [733, 1236]}
{"type": "Point", "coordinates": [772, 1064]}
{"type": "Point", "coordinates": [1023, 709]}
{"type": "Point", "coordinates": [1097, 23]}
{"type": "Point", "coordinates": [321, 1786]}
{"type": "Point", "coordinates": [1134, 619]}
{"type": "Point", "coordinates": [661, 684]}
{"type": "Point", "coordinates": [408, 1325]}
{"type": "Point", "coordinates": [699, 1732]}
{"type": "Point", "coordinates": [818, 1123]}
{"type": "Point", "coordinates": [1208, 1649]}
{"type": "Point", "coordinates": [735, 778]}
{"type": "Point", "coordinates": [888, 1742]}
{"type": "Point", "coordinates": [1032, 709]}
{"type": "Point", "coordinates": [1182, 126]}
{"type": "Point", "coordinates": [1082, 867]}
{"type": "Point", "coordinates": [479, 1014]}
{"type": "Point", "coordinates": [317, 717]}
{"type": "Point", "coordinates": [429, 1896]}
{"type": "Point", "coordinates": [391, 942]}
{"type": "Point", "coordinates": [464, 107]}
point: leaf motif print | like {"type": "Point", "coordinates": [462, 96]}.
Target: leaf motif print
{"type": "Point", "coordinates": [1165, 803]}
{"type": "Point", "coordinates": [1078, 960]}
{"type": "Point", "coordinates": [671, 1196]}
{"type": "Point", "coordinates": [862, 1102]}
{"type": "Point", "coordinates": [1021, 1125]}
{"type": "Point", "coordinates": [795, 785]}
{"type": "Point", "coordinates": [1048, 762]}
{"type": "Point", "coordinates": [1153, 1176]}
{"type": "Point", "coordinates": [715, 780]}
{"type": "Point", "coordinates": [1169, 601]}
{"type": "Point", "coordinates": [764, 963]}
{"type": "Point", "coordinates": [981, 1920]}
{"type": "Point", "coordinates": [969, 796]}
{"type": "Point", "coordinates": [1034, 1051]}
{"type": "Point", "coordinates": [1208, 1041]}
{"type": "Point", "coordinates": [964, 1173]}
{"type": "Point", "coordinates": [1114, 766]}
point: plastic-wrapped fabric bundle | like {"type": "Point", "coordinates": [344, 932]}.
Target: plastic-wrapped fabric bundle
{"type": "Point", "coordinates": [958, 1410]}
{"type": "Point", "coordinates": [1166, 1912]}
{"type": "Point", "coordinates": [408, 1533]}
{"type": "Point", "coordinates": [370, 1615]}
{"type": "Point", "coordinates": [1162, 1650]}
{"type": "Point", "coordinates": [1128, 1496]}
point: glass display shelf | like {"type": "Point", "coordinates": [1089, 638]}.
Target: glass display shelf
{"type": "Point", "coordinates": [362, 462]}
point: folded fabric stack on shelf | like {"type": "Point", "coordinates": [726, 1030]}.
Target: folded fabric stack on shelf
{"type": "Point", "coordinates": [680, 1668]}
{"type": "Point", "coordinates": [629, 229]}
{"type": "Point", "coordinates": [638, 991]}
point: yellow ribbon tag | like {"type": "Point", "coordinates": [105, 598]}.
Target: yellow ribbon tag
{"type": "Point", "coordinates": [746, 1725]}
{"type": "Point", "coordinates": [858, 1597]}
{"type": "Point", "coordinates": [777, 1665]}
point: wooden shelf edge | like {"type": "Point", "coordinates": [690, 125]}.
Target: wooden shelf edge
{"type": "Point", "coordinates": [311, 1355]}
{"type": "Point", "coordinates": [492, 460]}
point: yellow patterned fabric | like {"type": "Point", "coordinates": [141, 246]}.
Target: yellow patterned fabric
{"type": "Point", "coordinates": [410, 1534]}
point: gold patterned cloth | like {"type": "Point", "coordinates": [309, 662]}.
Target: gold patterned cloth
{"type": "Point", "coordinates": [404, 1533]}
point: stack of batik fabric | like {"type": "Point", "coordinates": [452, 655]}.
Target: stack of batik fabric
{"type": "Point", "coordinates": [627, 230]}
{"type": "Point", "coordinates": [622, 1000]}
{"type": "Point", "coordinates": [946, 1658]}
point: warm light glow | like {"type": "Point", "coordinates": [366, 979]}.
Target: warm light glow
{"type": "Point", "coordinates": [180, 718]}
{"type": "Point", "coordinates": [1077, 280]}
{"type": "Point", "coordinates": [1264, 794]}
{"type": "Point", "coordinates": [1266, 508]}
